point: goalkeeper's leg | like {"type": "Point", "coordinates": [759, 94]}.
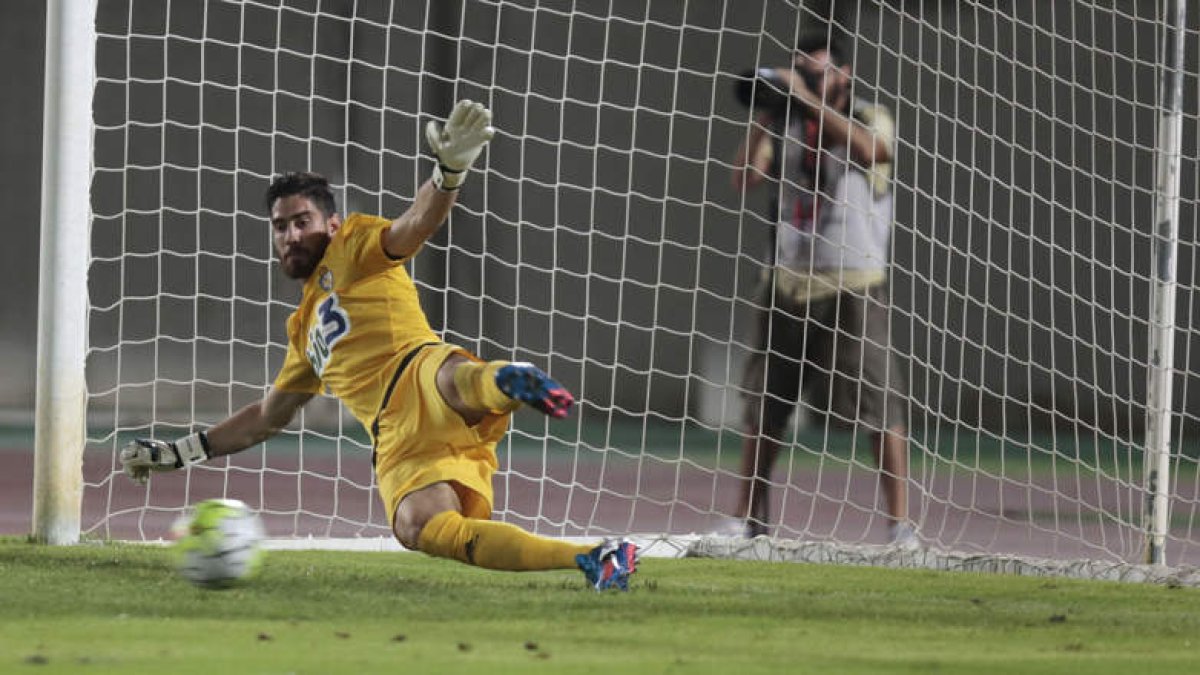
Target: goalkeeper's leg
{"type": "Point", "coordinates": [476, 389]}
{"type": "Point", "coordinates": [430, 520]}
{"type": "Point", "coordinates": [434, 519]}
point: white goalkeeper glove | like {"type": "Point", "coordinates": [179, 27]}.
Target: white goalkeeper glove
{"type": "Point", "coordinates": [457, 144]}
{"type": "Point", "coordinates": [143, 455]}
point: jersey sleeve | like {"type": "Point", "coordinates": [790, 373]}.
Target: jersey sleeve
{"type": "Point", "coordinates": [297, 375]}
{"type": "Point", "coordinates": [363, 245]}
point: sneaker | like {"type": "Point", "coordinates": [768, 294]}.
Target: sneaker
{"type": "Point", "coordinates": [903, 536]}
{"type": "Point", "coordinates": [609, 564]}
{"type": "Point", "coordinates": [739, 528]}
{"type": "Point", "coordinates": [527, 383]}
{"type": "Point", "coordinates": [730, 526]}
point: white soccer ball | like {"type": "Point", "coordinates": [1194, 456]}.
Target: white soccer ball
{"type": "Point", "coordinates": [221, 545]}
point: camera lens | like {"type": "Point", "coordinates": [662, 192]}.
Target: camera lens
{"type": "Point", "coordinates": [761, 89]}
{"type": "Point", "coordinates": [812, 81]}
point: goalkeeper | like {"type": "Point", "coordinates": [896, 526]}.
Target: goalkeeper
{"type": "Point", "coordinates": [434, 411]}
{"type": "Point", "coordinates": [824, 326]}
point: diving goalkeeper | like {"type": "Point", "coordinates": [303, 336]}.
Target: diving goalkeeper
{"type": "Point", "coordinates": [434, 411]}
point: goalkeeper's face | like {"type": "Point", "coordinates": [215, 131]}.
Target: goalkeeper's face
{"type": "Point", "coordinates": [300, 232]}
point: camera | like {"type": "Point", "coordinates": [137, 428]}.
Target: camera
{"type": "Point", "coordinates": [812, 80]}
{"type": "Point", "coordinates": [763, 89]}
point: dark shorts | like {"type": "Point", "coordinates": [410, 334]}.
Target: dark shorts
{"type": "Point", "coordinates": [836, 350]}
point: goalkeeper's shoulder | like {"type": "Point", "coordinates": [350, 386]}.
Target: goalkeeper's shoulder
{"type": "Point", "coordinates": [358, 224]}
{"type": "Point", "coordinates": [356, 221]}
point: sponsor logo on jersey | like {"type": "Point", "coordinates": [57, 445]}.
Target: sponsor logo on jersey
{"type": "Point", "coordinates": [330, 325]}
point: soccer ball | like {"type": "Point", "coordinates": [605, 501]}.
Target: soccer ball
{"type": "Point", "coordinates": [221, 544]}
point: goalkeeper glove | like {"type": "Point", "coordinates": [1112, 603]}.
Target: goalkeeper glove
{"type": "Point", "coordinates": [457, 144]}
{"type": "Point", "coordinates": [143, 455]}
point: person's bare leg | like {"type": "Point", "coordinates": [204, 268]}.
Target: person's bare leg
{"type": "Point", "coordinates": [891, 454]}
{"type": "Point", "coordinates": [754, 495]}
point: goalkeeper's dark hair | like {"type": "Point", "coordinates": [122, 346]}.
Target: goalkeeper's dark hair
{"type": "Point", "coordinates": [314, 186]}
{"type": "Point", "coordinates": [825, 36]}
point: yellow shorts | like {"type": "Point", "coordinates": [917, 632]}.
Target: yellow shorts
{"type": "Point", "coordinates": [422, 440]}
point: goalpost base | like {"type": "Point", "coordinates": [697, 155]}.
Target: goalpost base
{"type": "Point", "coordinates": [824, 552]}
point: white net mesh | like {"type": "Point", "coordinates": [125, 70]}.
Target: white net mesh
{"type": "Point", "coordinates": [600, 237]}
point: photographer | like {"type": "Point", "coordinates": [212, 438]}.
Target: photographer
{"type": "Point", "coordinates": [823, 324]}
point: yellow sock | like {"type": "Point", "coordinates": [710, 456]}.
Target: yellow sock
{"type": "Point", "coordinates": [493, 545]}
{"type": "Point", "coordinates": [476, 384]}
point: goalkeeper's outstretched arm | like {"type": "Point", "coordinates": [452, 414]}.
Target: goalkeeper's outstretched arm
{"type": "Point", "coordinates": [255, 422]}
{"type": "Point", "coordinates": [247, 427]}
{"type": "Point", "coordinates": [455, 146]}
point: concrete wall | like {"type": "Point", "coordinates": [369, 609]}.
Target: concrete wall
{"type": "Point", "coordinates": [613, 248]}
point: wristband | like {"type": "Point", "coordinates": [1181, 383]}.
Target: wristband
{"type": "Point", "coordinates": [447, 179]}
{"type": "Point", "coordinates": [191, 449]}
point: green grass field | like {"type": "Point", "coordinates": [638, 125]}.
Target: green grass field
{"type": "Point", "coordinates": [122, 608]}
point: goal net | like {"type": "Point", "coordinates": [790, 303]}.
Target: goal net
{"type": "Point", "coordinates": [601, 238]}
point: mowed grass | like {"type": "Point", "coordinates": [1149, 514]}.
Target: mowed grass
{"type": "Point", "coordinates": [122, 608]}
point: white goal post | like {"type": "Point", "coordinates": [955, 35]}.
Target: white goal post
{"type": "Point", "coordinates": [62, 301]}
{"type": "Point", "coordinates": [1042, 257]}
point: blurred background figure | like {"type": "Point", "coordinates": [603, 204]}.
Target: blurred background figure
{"type": "Point", "coordinates": [823, 326]}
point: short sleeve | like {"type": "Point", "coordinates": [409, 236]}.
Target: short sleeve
{"type": "Point", "coordinates": [363, 245]}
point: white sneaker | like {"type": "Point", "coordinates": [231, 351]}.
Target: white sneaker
{"type": "Point", "coordinates": [903, 536]}
{"type": "Point", "coordinates": [728, 526]}
{"type": "Point", "coordinates": [740, 528]}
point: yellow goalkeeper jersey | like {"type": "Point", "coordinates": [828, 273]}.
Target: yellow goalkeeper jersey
{"type": "Point", "coordinates": [359, 315]}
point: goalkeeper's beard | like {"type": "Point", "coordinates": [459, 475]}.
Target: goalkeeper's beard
{"type": "Point", "coordinates": [299, 260]}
